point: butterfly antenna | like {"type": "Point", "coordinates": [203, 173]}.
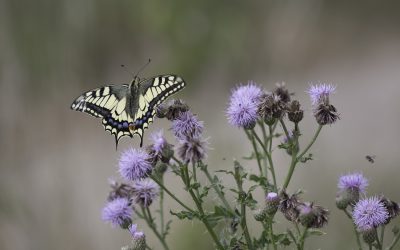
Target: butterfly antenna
{"type": "Point", "coordinates": [125, 68]}
{"type": "Point", "coordinates": [142, 68]}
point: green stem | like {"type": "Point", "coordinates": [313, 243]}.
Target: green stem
{"type": "Point", "coordinates": [302, 238]}
{"type": "Point", "coordinates": [255, 151]}
{"type": "Point", "coordinates": [241, 198]}
{"type": "Point", "coordinates": [271, 234]}
{"type": "Point", "coordinates": [296, 159]}
{"type": "Point", "coordinates": [381, 237]}
{"type": "Point", "coordinates": [162, 208]}
{"type": "Point", "coordinates": [216, 188]}
{"type": "Point", "coordinates": [186, 181]}
{"type": "Point", "coordinates": [284, 128]}
{"type": "Point", "coordinates": [150, 222]}
{"type": "Point", "coordinates": [370, 246]}
{"type": "Point", "coordinates": [394, 242]}
{"type": "Point", "coordinates": [271, 164]}
{"type": "Point", "coordinates": [311, 143]}
{"type": "Point", "coordinates": [170, 194]}
{"type": "Point", "coordinates": [355, 230]}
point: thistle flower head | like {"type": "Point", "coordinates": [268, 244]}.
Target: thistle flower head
{"type": "Point", "coordinates": [160, 149]}
{"type": "Point", "coordinates": [192, 150]}
{"type": "Point", "coordinates": [271, 107]}
{"type": "Point", "coordinates": [392, 207]}
{"type": "Point", "coordinates": [145, 191]}
{"type": "Point", "coordinates": [243, 106]}
{"type": "Point", "coordinates": [186, 125]}
{"type": "Point", "coordinates": [353, 181]}
{"type": "Point", "coordinates": [119, 190]}
{"type": "Point", "coordinates": [138, 238]}
{"type": "Point", "coordinates": [282, 92]}
{"type": "Point", "coordinates": [295, 113]}
{"type": "Point", "coordinates": [118, 212]}
{"type": "Point", "coordinates": [325, 113]}
{"type": "Point", "coordinates": [171, 110]}
{"type": "Point", "coordinates": [272, 201]}
{"type": "Point", "coordinates": [320, 92]}
{"type": "Point", "coordinates": [288, 206]}
{"type": "Point", "coordinates": [134, 164]}
{"type": "Point", "coordinates": [312, 216]}
{"type": "Point", "coordinates": [369, 213]}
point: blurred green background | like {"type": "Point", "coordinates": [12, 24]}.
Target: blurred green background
{"type": "Point", "coordinates": [55, 163]}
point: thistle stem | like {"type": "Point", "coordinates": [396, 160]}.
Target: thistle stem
{"type": "Point", "coordinates": [355, 230]}
{"type": "Point", "coordinates": [162, 207]}
{"type": "Point", "coordinates": [170, 194]}
{"type": "Point", "coordinates": [253, 143]}
{"type": "Point", "coordinates": [394, 242]}
{"type": "Point", "coordinates": [216, 188]}
{"type": "Point", "coordinates": [271, 164]}
{"type": "Point", "coordinates": [150, 222]}
{"type": "Point", "coordinates": [296, 159]}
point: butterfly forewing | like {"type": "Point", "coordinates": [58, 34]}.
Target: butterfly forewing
{"type": "Point", "coordinates": [126, 112]}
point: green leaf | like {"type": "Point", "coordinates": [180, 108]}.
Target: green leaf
{"type": "Point", "coordinates": [185, 215]}
{"type": "Point", "coordinates": [315, 232]}
{"type": "Point", "coordinates": [304, 159]}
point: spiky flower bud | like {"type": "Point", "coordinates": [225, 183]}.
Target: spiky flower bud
{"type": "Point", "coordinates": [260, 214]}
{"type": "Point", "coordinates": [272, 203]}
{"type": "Point", "coordinates": [341, 201]}
{"type": "Point", "coordinates": [171, 110]}
{"type": "Point", "coordinates": [160, 149]}
{"type": "Point", "coordinates": [326, 114]}
{"type": "Point", "coordinates": [119, 190]}
{"type": "Point", "coordinates": [369, 235]}
{"type": "Point", "coordinates": [288, 206]}
{"type": "Point", "coordinates": [312, 216]}
{"type": "Point", "coordinates": [127, 248]}
{"type": "Point", "coordinates": [392, 208]}
{"type": "Point", "coordinates": [306, 215]}
{"type": "Point", "coordinates": [295, 114]}
{"type": "Point", "coordinates": [138, 238]}
{"type": "Point", "coordinates": [282, 92]}
{"type": "Point", "coordinates": [271, 106]}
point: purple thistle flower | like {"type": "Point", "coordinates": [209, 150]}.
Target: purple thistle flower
{"type": "Point", "coordinates": [353, 182]}
{"type": "Point", "coordinates": [187, 126]}
{"type": "Point", "coordinates": [320, 91]}
{"type": "Point", "coordinates": [134, 164]}
{"type": "Point", "coordinates": [243, 105]}
{"type": "Point", "coordinates": [118, 212]}
{"type": "Point", "coordinates": [145, 191]}
{"type": "Point", "coordinates": [159, 142]}
{"type": "Point", "coordinates": [134, 232]}
{"type": "Point", "coordinates": [192, 150]}
{"type": "Point", "coordinates": [138, 238]}
{"type": "Point", "coordinates": [369, 213]}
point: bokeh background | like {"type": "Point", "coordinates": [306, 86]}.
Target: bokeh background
{"type": "Point", "coordinates": [55, 163]}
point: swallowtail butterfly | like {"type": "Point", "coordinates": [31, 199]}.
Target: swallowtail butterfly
{"type": "Point", "coordinates": [128, 109]}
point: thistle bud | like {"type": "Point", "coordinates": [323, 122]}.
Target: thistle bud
{"type": "Point", "coordinates": [282, 92]}
{"type": "Point", "coordinates": [369, 235]}
{"type": "Point", "coordinates": [175, 109]}
{"type": "Point", "coordinates": [312, 216]}
{"type": "Point", "coordinates": [138, 238]}
{"type": "Point", "coordinates": [271, 106]}
{"type": "Point", "coordinates": [272, 203]}
{"type": "Point", "coordinates": [326, 114]}
{"type": "Point", "coordinates": [392, 208]}
{"type": "Point", "coordinates": [260, 214]}
{"type": "Point", "coordinates": [341, 201]}
{"type": "Point", "coordinates": [295, 114]}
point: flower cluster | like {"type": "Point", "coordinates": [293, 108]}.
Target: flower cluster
{"type": "Point", "coordinates": [367, 213]}
{"type": "Point", "coordinates": [187, 129]}
{"type": "Point", "coordinates": [306, 213]}
{"type": "Point", "coordinates": [248, 104]}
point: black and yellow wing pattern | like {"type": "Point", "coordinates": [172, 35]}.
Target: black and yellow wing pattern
{"type": "Point", "coordinates": [125, 109]}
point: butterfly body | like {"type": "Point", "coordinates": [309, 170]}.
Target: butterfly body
{"type": "Point", "coordinates": [125, 109]}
